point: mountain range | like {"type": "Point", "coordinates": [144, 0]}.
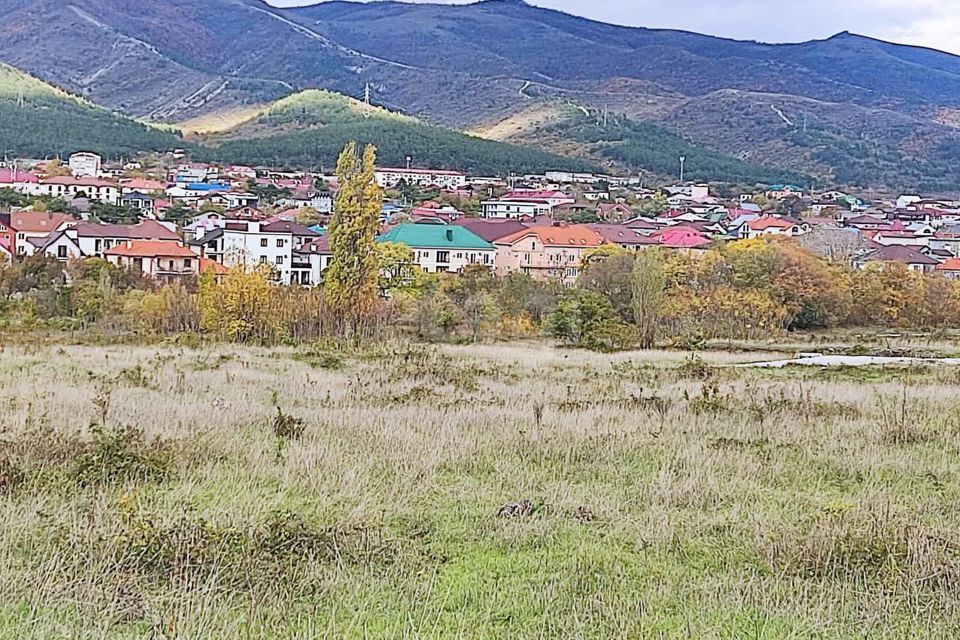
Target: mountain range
{"type": "Point", "coordinates": [846, 110]}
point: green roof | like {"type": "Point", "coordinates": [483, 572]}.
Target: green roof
{"type": "Point", "coordinates": [435, 236]}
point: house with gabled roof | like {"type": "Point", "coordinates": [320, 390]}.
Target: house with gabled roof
{"type": "Point", "coordinates": [772, 225]}
{"type": "Point", "coordinates": [910, 256]}
{"type": "Point", "coordinates": [310, 260]}
{"type": "Point", "coordinates": [491, 230]}
{"type": "Point", "coordinates": [620, 235]}
{"type": "Point", "coordinates": [158, 259]}
{"type": "Point", "coordinates": [19, 227]}
{"type": "Point", "coordinates": [439, 248]}
{"type": "Point", "coordinates": [95, 238]}
{"type": "Point", "coordinates": [547, 252]}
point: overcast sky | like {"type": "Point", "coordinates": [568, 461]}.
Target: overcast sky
{"type": "Point", "coordinates": [931, 23]}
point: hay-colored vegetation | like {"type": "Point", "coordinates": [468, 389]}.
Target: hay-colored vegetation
{"type": "Point", "coordinates": [471, 492]}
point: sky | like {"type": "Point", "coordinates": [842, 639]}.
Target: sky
{"type": "Point", "coordinates": [929, 23]}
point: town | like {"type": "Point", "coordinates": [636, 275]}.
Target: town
{"type": "Point", "coordinates": [176, 223]}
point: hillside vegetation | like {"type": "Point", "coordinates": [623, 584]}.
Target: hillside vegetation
{"type": "Point", "coordinates": [49, 122]}
{"type": "Point", "coordinates": [632, 146]}
{"type": "Point", "coordinates": [464, 66]}
{"type": "Point", "coordinates": [310, 129]}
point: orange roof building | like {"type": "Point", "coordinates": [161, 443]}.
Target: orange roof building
{"type": "Point", "coordinates": [546, 252]}
{"type": "Point", "coordinates": [160, 259]}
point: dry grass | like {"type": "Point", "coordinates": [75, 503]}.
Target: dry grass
{"type": "Point", "coordinates": [239, 492]}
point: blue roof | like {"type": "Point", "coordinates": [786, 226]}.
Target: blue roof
{"type": "Point", "coordinates": [206, 186]}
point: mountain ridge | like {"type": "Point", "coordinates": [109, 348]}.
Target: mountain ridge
{"type": "Point", "coordinates": [463, 66]}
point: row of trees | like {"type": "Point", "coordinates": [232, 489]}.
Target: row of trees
{"type": "Point", "coordinates": [748, 289]}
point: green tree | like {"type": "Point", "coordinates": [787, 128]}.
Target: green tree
{"type": "Point", "coordinates": [588, 320]}
{"type": "Point", "coordinates": [649, 283]}
{"type": "Point", "coordinates": [351, 280]}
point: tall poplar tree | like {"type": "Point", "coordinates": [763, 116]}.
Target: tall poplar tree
{"type": "Point", "coordinates": [351, 279]}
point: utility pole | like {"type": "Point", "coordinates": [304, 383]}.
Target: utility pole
{"type": "Point", "coordinates": [682, 160]}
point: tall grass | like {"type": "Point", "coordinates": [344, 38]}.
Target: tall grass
{"type": "Point", "coordinates": [246, 492]}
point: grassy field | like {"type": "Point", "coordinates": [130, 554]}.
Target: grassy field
{"type": "Point", "coordinates": [472, 492]}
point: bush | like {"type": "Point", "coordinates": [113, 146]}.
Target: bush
{"type": "Point", "coordinates": [587, 319]}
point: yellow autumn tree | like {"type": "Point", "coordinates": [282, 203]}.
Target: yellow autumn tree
{"type": "Point", "coordinates": [351, 280]}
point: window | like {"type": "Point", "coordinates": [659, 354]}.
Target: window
{"type": "Point", "coordinates": [443, 256]}
{"type": "Point", "coordinates": [280, 259]}
{"type": "Point", "coordinates": [187, 263]}
{"type": "Point", "coordinates": [263, 259]}
{"type": "Point", "coordinates": [62, 252]}
{"type": "Point", "coordinates": [263, 242]}
{"type": "Point", "coordinates": [279, 242]}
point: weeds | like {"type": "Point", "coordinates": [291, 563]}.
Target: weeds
{"type": "Point", "coordinates": [898, 423]}
{"type": "Point", "coordinates": [287, 427]}
{"type": "Point", "coordinates": [122, 454]}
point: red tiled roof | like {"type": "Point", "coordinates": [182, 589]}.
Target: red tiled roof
{"type": "Point", "coordinates": [151, 249]}
{"type": "Point", "coordinates": [491, 230]}
{"type": "Point", "coordinates": [79, 182]}
{"type": "Point", "coordinates": [146, 230]}
{"type": "Point", "coordinates": [38, 221]}
{"type": "Point", "coordinates": [6, 177]}
{"type": "Point", "coordinates": [952, 264]}
{"type": "Point", "coordinates": [207, 263]}
{"type": "Point", "coordinates": [768, 222]}
{"type": "Point", "coordinates": [574, 235]}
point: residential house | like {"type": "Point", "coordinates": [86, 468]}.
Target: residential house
{"type": "Point", "coordinates": [251, 243]}
{"type": "Point", "coordinates": [143, 185]}
{"type": "Point", "coordinates": [69, 187]}
{"type": "Point", "coordinates": [20, 227]}
{"type": "Point", "coordinates": [783, 191]}
{"type": "Point", "coordinates": [949, 268]}
{"type": "Point", "coordinates": [390, 177]}
{"type": "Point", "coordinates": [773, 225]}
{"type": "Point", "coordinates": [60, 245]}
{"type": "Point", "coordinates": [234, 199]}
{"type": "Point", "coordinates": [620, 235]}
{"type": "Point", "coordinates": [491, 230]}
{"type": "Point", "coordinates": [140, 201]}
{"type": "Point", "coordinates": [947, 238]}
{"type": "Point", "coordinates": [680, 238]}
{"type": "Point", "coordinates": [442, 247]}
{"type": "Point", "coordinates": [547, 252]}
{"type": "Point", "coordinates": [310, 260]}
{"type": "Point", "coordinates": [901, 237]}
{"type": "Point", "coordinates": [85, 165]}
{"type": "Point", "coordinates": [158, 259]}
{"type": "Point", "coordinates": [910, 256]}
{"type": "Point", "coordinates": [322, 201]}
{"type": "Point", "coordinates": [21, 181]}
{"type": "Point", "coordinates": [551, 197]}
{"type": "Point", "coordinates": [94, 239]}
{"type": "Point", "coordinates": [515, 209]}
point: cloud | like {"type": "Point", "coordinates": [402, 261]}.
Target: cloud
{"type": "Point", "coordinates": [930, 23]}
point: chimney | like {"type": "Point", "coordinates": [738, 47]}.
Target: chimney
{"type": "Point", "coordinates": [449, 235]}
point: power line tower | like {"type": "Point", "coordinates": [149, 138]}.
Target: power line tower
{"type": "Point", "coordinates": [366, 93]}
{"type": "Point", "coordinates": [20, 101]}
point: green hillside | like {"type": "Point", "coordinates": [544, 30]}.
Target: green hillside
{"type": "Point", "coordinates": [311, 127]}
{"type": "Point", "coordinates": [48, 121]}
